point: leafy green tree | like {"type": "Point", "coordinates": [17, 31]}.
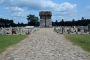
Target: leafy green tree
{"type": "Point", "coordinates": [82, 18]}
{"type": "Point", "coordinates": [62, 22]}
{"type": "Point", "coordinates": [56, 22]}
{"type": "Point", "coordinates": [6, 22]}
{"type": "Point", "coordinates": [32, 20]}
{"type": "Point", "coordinates": [73, 22]}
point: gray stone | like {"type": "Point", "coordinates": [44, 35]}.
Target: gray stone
{"type": "Point", "coordinates": [46, 45]}
{"type": "Point", "coordinates": [89, 28]}
{"type": "Point", "coordinates": [45, 19]}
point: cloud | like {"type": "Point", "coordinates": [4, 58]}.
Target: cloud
{"type": "Point", "coordinates": [88, 7]}
{"type": "Point", "coordinates": [1, 1]}
{"type": "Point", "coordinates": [16, 11]}
{"type": "Point", "coordinates": [18, 7]}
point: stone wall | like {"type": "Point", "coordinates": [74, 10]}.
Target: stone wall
{"type": "Point", "coordinates": [48, 23]}
{"type": "Point", "coordinates": [72, 29]}
{"type": "Point", "coordinates": [16, 30]}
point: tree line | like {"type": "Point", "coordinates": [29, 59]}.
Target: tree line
{"type": "Point", "coordinates": [81, 22]}
{"type": "Point", "coordinates": [34, 21]}
{"type": "Point", "coordinates": [9, 23]}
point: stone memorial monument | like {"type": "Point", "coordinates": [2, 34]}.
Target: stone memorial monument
{"type": "Point", "coordinates": [45, 19]}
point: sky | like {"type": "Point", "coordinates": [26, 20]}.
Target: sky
{"type": "Point", "coordinates": [61, 9]}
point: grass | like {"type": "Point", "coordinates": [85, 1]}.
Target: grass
{"type": "Point", "coordinates": [9, 40]}
{"type": "Point", "coordinates": [81, 40]}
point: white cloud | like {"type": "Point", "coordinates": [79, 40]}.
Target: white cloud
{"type": "Point", "coordinates": [66, 6]}
{"type": "Point", "coordinates": [17, 6]}
{"type": "Point", "coordinates": [16, 11]}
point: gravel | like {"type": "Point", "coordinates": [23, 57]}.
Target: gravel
{"type": "Point", "coordinates": [45, 44]}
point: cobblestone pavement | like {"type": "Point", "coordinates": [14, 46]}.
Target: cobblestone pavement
{"type": "Point", "coordinates": [45, 44]}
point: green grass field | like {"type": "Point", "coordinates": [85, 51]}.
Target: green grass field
{"type": "Point", "coordinates": [82, 40]}
{"type": "Point", "coordinates": [9, 40]}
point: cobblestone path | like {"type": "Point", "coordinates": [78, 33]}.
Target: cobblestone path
{"type": "Point", "coordinates": [45, 44]}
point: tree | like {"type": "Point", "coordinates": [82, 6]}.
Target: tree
{"type": "Point", "coordinates": [56, 22]}
{"type": "Point", "coordinates": [62, 22]}
{"type": "Point", "coordinates": [32, 20]}
{"type": "Point", "coordinates": [6, 22]}
{"type": "Point", "coordinates": [73, 22]}
{"type": "Point", "coordinates": [82, 18]}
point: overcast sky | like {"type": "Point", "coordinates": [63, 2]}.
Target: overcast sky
{"type": "Point", "coordinates": [61, 9]}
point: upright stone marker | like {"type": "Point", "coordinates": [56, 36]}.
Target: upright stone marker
{"type": "Point", "coordinates": [89, 28]}
{"type": "Point", "coordinates": [45, 19]}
